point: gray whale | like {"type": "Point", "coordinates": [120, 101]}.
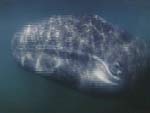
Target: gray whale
{"type": "Point", "coordinates": [85, 51]}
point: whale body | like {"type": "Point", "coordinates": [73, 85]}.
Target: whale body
{"type": "Point", "coordinates": [86, 52]}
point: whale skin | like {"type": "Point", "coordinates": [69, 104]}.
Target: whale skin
{"type": "Point", "coordinates": [86, 52]}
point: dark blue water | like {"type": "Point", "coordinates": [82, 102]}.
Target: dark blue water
{"type": "Point", "coordinates": [25, 92]}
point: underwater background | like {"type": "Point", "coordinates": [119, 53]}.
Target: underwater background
{"type": "Point", "coordinates": [25, 92]}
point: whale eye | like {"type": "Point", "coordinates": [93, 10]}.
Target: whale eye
{"type": "Point", "coordinates": [116, 69]}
